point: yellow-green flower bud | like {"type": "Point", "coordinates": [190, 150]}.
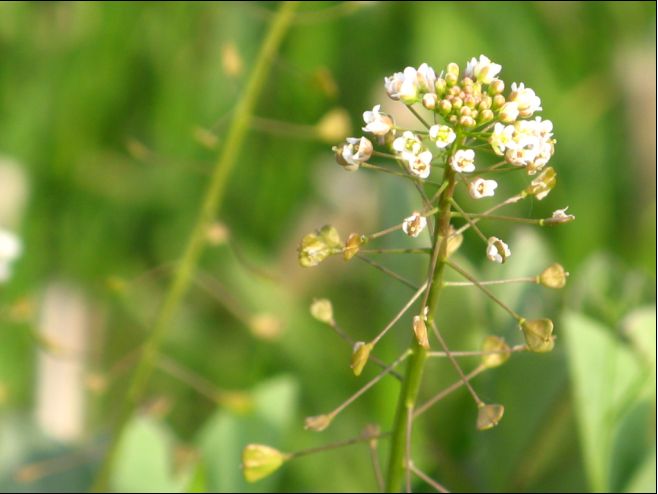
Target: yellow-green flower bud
{"type": "Point", "coordinates": [495, 351]}
{"type": "Point", "coordinates": [334, 126]}
{"type": "Point", "coordinates": [440, 86]}
{"type": "Point", "coordinates": [360, 354]}
{"type": "Point", "coordinates": [444, 107]}
{"type": "Point", "coordinates": [260, 461]}
{"type": "Point", "coordinates": [489, 416]}
{"type": "Point", "coordinates": [538, 335]}
{"type": "Point", "coordinates": [497, 101]}
{"type": "Point", "coordinates": [496, 87]}
{"type": "Point", "coordinates": [554, 276]}
{"type": "Point", "coordinates": [485, 116]}
{"type": "Point", "coordinates": [323, 311]}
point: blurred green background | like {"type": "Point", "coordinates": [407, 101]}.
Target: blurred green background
{"type": "Point", "coordinates": [111, 118]}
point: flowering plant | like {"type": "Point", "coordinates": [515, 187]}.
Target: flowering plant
{"type": "Point", "coordinates": [470, 114]}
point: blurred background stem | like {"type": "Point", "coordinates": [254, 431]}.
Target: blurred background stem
{"type": "Point", "coordinates": [196, 242]}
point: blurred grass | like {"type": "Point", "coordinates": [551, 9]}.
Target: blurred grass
{"type": "Point", "coordinates": [101, 105]}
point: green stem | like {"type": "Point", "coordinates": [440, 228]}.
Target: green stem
{"type": "Point", "coordinates": [213, 198]}
{"type": "Point", "coordinates": [411, 383]}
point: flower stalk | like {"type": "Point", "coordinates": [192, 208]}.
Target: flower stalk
{"type": "Point", "coordinates": [197, 240]}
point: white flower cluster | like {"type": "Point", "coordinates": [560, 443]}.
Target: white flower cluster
{"type": "Point", "coordinates": [468, 107]}
{"type": "Point", "coordinates": [10, 250]}
{"type": "Point", "coordinates": [526, 143]}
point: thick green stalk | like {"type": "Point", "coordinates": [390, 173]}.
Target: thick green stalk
{"type": "Point", "coordinates": [416, 364]}
{"type": "Point", "coordinates": [196, 242]}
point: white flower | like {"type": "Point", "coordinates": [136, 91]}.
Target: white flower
{"type": "Point", "coordinates": [417, 157]}
{"type": "Point", "coordinates": [414, 224]}
{"type": "Point", "coordinates": [526, 99]}
{"type": "Point", "coordinates": [462, 161]}
{"type": "Point", "coordinates": [527, 143]}
{"type": "Point", "coordinates": [10, 250]}
{"type": "Point", "coordinates": [353, 152]}
{"type": "Point", "coordinates": [408, 85]}
{"type": "Point", "coordinates": [442, 135]}
{"type": "Point", "coordinates": [403, 85]}
{"type": "Point", "coordinates": [509, 112]}
{"type": "Point", "coordinates": [377, 123]}
{"type": "Point", "coordinates": [483, 70]}
{"type": "Point", "coordinates": [426, 78]}
{"type": "Point", "coordinates": [497, 250]}
{"type": "Point", "coordinates": [480, 188]}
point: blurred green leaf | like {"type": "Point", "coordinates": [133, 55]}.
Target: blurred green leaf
{"type": "Point", "coordinates": [644, 479]}
{"type": "Point", "coordinates": [226, 433]}
{"type": "Point", "coordinates": [606, 378]}
{"type": "Point", "coordinates": [145, 459]}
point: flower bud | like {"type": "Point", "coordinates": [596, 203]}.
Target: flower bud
{"type": "Point", "coordinates": [485, 116]}
{"type": "Point", "coordinates": [429, 101]}
{"type": "Point", "coordinates": [489, 416]}
{"type": "Point", "coordinates": [260, 461]}
{"type": "Point", "coordinates": [554, 276]}
{"type": "Point", "coordinates": [497, 101]}
{"type": "Point", "coordinates": [444, 107]}
{"type": "Point", "coordinates": [485, 103]}
{"type": "Point", "coordinates": [457, 103]}
{"type": "Point", "coordinates": [467, 122]}
{"type": "Point", "coordinates": [496, 351]}
{"type": "Point", "coordinates": [352, 245]}
{"type": "Point", "coordinates": [538, 335]}
{"type": "Point", "coordinates": [542, 185]}
{"type": "Point", "coordinates": [360, 354]}
{"type": "Point", "coordinates": [323, 311]}
{"type": "Point", "coordinates": [440, 86]}
{"type": "Point", "coordinates": [318, 423]}
{"type": "Point", "coordinates": [420, 330]}
{"type": "Point", "coordinates": [496, 87]}
{"type": "Point", "coordinates": [453, 69]}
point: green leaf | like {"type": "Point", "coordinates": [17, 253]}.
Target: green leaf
{"type": "Point", "coordinates": [226, 433]}
{"type": "Point", "coordinates": [644, 479]}
{"type": "Point", "coordinates": [144, 459]}
{"type": "Point", "coordinates": [606, 379]}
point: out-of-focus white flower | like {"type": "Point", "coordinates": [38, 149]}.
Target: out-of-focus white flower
{"type": "Point", "coordinates": [426, 78]}
{"type": "Point", "coordinates": [407, 86]}
{"type": "Point", "coordinates": [377, 123]}
{"type": "Point", "coordinates": [497, 250]}
{"type": "Point", "coordinates": [509, 112]}
{"type": "Point", "coordinates": [403, 85]}
{"type": "Point", "coordinates": [10, 250]}
{"type": "Point", "coordinates": [417, 157]}
{"type": "Point", "coordinates": [482, 70]}
{"type": "Point", "coordinates": [463, 161]}
{"type": "Point", "coordinates": [526, 99]}
{"type": "Point", "coordinates": [480, 188]}
{"type": "Point", "coordinates": [527, 143]}
{"type": "Point", "coordinates": [414, 224]}
{"type": "Point", "coordinates": [442, 135]}
{"type": "Point", "coordinates": [353, 152]}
